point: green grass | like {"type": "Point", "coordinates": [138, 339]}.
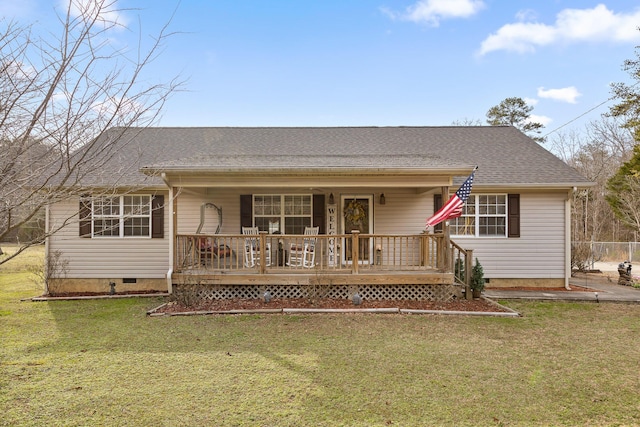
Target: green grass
{"type": "Point", "coordinates": [78, 363]}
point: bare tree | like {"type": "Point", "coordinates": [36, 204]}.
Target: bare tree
{"type": "Point", "coordinates": [65, 104]}
{"type": "Point", "coordinates": [597, 154]}
{"type": "Point", "coordinates": [630, 199]}
{"type": "Point", "coordinates": [467, 122]}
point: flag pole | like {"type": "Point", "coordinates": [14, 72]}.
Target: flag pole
{"type": "Point", "coordinates": [446, 240]}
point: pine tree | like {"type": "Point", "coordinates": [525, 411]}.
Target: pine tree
{"type": "Point", "coordinates": [515, 112]}
{"type": "Point", "coordinates": [624, 191]}
{"type": "Point", "coordinates": [477, 277]}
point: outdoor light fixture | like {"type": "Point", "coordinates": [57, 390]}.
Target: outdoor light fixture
{"type": "Point", "coordinates": [383, 201]}
{"type": "Point", "coordinates": [331, 200]}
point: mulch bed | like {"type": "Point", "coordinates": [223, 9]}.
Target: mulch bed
{"type": "Point", "coordinates": [476, 305]}
{"type": "Point", "coordinates": [573, 288]}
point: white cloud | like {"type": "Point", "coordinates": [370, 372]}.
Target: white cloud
{"type": "Point", "coordinates": [433, 11]}
{"type": "Point", "coordinates": [571, 26]}
{"type": "Point", "coordinates": [107, 12]}
{"type": "Point", "coordinates": [19, 70]}
{"type": "Point", "coordinates": [566, 94]}
{"type": "Point", "coordinates": [121, 107]}
{"type": "Point", "coordinates": [520, 37]}
{"type": "Point", "coordinates": [544, 120]}
{"type": "Point", "coordinates": [530, 101]}
{"type": "Point", "coordinates": [60, 97]}
{"type": "Point", "coordinates": [526, 15]}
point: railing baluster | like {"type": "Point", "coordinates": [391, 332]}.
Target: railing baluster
{"type": "Point", "coordinates": [400, 252]}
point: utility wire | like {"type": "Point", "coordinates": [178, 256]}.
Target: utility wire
{"type": "Point", "coordinates": [585, 113]}
{"type": "Point", "coordinates": [578, 117]}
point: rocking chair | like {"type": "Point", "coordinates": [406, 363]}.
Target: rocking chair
{"type": "Point", "coordinates": [303, 254]}
{"type": "Point", "coordinates": [252, 248]}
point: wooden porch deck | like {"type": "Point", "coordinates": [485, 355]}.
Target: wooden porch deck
{"type": "Point", "coordinates": [382, 265]}
{"type": "Point", "coordinates": [316, 277]}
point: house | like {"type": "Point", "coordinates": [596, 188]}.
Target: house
{"type": "Point", "coordinates": [183, 196]}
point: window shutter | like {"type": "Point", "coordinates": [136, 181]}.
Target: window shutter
{"type": "Point", "coordinates": [513, 217]}
{"type": "Point", "coordinates": [84, 216]}
{"type": "Point", "coordinates": [437, 204]}
{"type": "Point", "coordinates": [157, 217]}
{"type": "Point", "coordinates": [246, 211]}
{"type": "Point", "coordinates": [319, 213]}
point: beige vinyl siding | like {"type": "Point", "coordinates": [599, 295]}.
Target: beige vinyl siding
{"type": "Point", "coordinates": [188, 212]}
{"type": "Point", "coordinates": [405, 211]}
{"type": "Point", "coordinates": [539, 252]}
{"type": "Point", "coordinates": [107, 257]}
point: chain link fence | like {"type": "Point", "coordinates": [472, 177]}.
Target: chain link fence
{"type": "Point", "coordinates": [584, 255]}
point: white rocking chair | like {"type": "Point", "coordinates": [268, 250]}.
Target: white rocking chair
{"type": "Point", "coordinates": [304, 255]}
{"type": "Point", "coordinates": [252, 248]}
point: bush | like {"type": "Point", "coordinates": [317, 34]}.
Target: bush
{"type": "Point", "coordinates": [580, 256]}
{"type": "Point", "coordinates": [477, 277]}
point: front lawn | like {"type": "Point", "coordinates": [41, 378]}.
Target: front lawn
{"type": "Point", "coordinates": [103, 362]}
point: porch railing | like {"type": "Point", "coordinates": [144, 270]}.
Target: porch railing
{"type": "Point", "coordinates": [348, 253]}
{"type": "Point", "coordinates": [461, 265]}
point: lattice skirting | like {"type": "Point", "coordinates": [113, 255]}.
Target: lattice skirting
{"type": "Point", "coordinates": [440, 293]}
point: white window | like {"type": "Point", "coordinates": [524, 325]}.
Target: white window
{"type": "Point", "coordinates": [483, 215]}
{"type": "Point", "coordinates": [121, 216]}
{"type": "Point", "coordinates": [284, 214]}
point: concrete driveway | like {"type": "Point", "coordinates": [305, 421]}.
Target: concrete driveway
{"type": "Point", "coordinates": [603, 287]}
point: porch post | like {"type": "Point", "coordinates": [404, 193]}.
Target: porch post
{"type": "Point", "coordinates": [173, 208]}
{"type": "Point", "coordinates": [468, 267]}
{"type": "Point", "coordinates": [263, 249]}
{"type": "Point", "coordinates": [355, 249]}
{"type": "Point", "coordinates": [446, 258]}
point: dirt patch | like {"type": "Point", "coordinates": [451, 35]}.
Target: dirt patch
{"type": "Point", "coordinates": [476, 305]}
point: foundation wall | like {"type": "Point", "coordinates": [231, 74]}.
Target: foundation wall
{"type": "Point", "coordinates": [101, 286]}
{"type": "Point", "coordinates": [525, 283]}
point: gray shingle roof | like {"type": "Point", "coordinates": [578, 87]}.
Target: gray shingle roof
{"type": "Point", "coordinates": [505, 156]}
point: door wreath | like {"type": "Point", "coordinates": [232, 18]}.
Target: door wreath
{"type": "Point", "coordinates": [355, 212]}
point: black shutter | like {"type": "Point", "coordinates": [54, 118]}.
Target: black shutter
{"type": "Point", "coordinates": [319, 213]}
{"type": "Point", "coordinates": [437, 204]}
{"type": "Point", "coordinates": [246, 211]}
{"type": "Point", "coordinates": [513, 215]}
{"type": "Point", "coordinates": [84, 216]}
{"type": "Point", "coordinates": [157, 217]}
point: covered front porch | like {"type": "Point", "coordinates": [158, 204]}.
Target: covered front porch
{"type": "Point", "coordinates": [368, 219]}
{"type": "Point", "coordinates": [375, 266]}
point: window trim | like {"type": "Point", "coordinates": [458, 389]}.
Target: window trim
{"type": "Point", "coordinates": [121, 217]}
{"type": "Point", "coordinates": [477, 216]}
{"type": "Point", "coordinates": [282, 216]}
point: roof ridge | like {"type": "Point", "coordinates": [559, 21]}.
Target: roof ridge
{"type": "Point", "coordinates": [324, 127]}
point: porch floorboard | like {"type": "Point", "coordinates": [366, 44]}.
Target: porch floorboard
{"type": "Point", "coordinates": [300, 277]}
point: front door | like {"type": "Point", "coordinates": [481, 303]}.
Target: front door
{"type": "Point", "coordinates": [357, 214]}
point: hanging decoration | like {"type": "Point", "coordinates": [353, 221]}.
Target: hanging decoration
{"type": "Point", "coordinates": [355, 212]}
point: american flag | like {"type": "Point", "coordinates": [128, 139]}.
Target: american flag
{"type": "Point", "coordinates": [453, 208]}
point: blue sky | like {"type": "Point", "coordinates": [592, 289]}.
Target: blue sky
{"type": "Point", "coordinates": [378, 62]}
